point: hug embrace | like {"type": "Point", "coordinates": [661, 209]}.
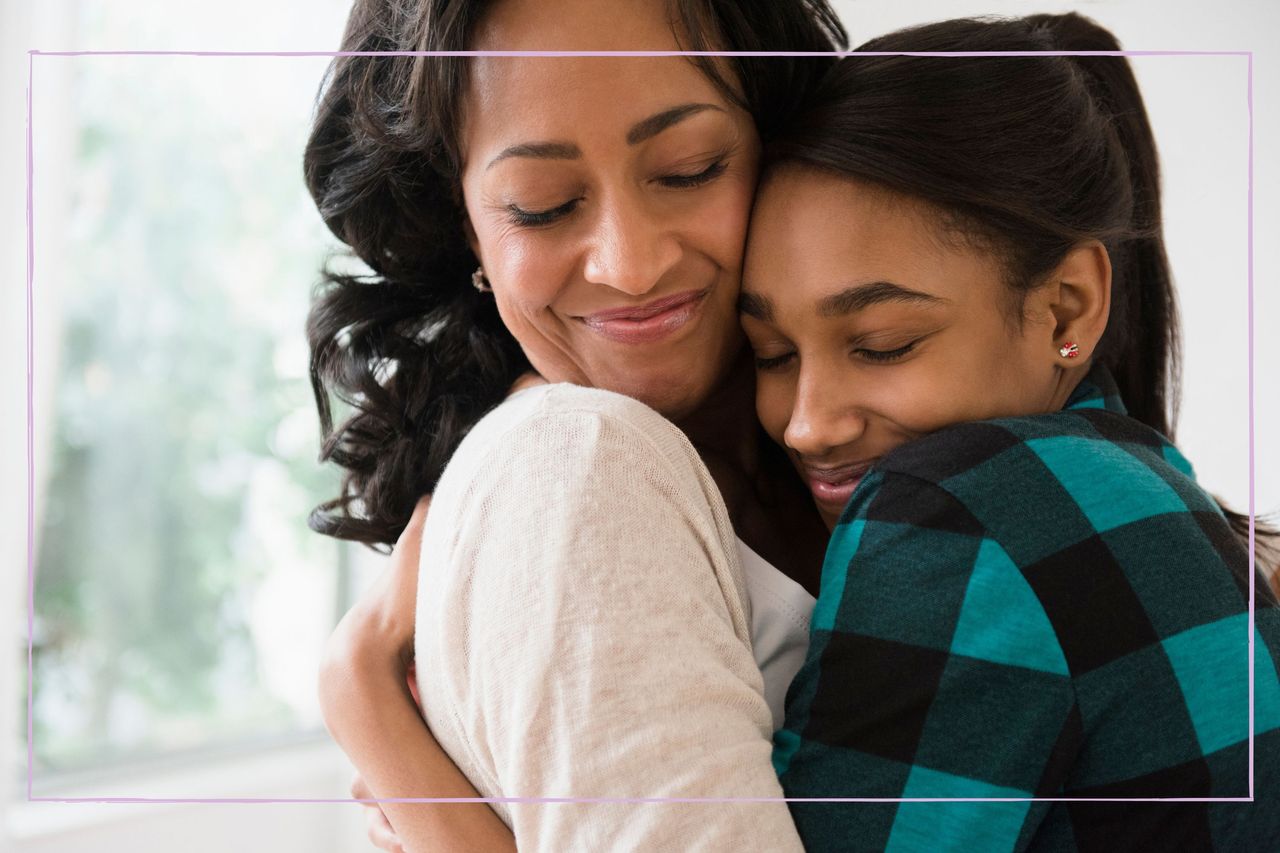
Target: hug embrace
{"type": "Point", "coordinates": [758, 427]}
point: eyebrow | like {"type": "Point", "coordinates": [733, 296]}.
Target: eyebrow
{"type": "Point", "coordinates": [655, 124]}
{"type": "Point", "coordinates": [861, 296]}
{"type": "Point", "coordinates": [538, 151]}
{"type": "Point", "coordinates": [754, 305]}
{"type": "Point", "coordinates": [641, 131]}
{"type": "Point", "coordinates": [847, 301]}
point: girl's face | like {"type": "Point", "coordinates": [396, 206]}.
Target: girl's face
{"type": "Point", "coordinates": [870, 328]}
{"type": "Point", "coordinates": [608, 199]}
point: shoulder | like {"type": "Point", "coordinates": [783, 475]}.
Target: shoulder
{"type": "Point", "coordinates": [572, 493]}
{"type": "Point", "coordinates": [562, 464]}
{"type": "Point", "coordinates": [1077, 472]}
{"type": "Point", "coordinates": [553, 438]}
{"type": "Point", "coordinates": [585, 423]}
{"type": "Point", "coordinates": [576, 494]}
{"type": "Point", "coordinates": [1083, 436]}
{"type": "Point", "coordinates": [1098, 514]}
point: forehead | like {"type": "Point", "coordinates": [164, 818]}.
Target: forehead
{"type": "Point", "coordinates": [819, 220]}
{"type": "Point", "coordinates": [575, 25]}
{"type": "Point", "coordinates": [516, 99]}
{"type": "Point", "coordinates": [580, 94]}
{"type": "Point", "coordinates": [813, 232]}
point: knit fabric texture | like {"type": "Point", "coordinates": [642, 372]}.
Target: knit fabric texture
{"type": "Point", "coordinates": [584, 632]}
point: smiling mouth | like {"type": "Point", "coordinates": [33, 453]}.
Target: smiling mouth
{"type": "Point", "coordinates": [832, 487]}
{"type": "Point", "coordinates": [647, 323]}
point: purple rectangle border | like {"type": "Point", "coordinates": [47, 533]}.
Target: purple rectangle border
{"type": "Point", "coordinates": [32, 54]}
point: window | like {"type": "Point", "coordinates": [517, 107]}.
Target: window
{"type": "Point", "coordinates": [181, 601]}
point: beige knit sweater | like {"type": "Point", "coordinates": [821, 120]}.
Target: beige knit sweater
{"type": "Point", "coordinates": [583, 631]}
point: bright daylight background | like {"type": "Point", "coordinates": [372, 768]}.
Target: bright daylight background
{"type": "Point", "coordinates": [180, 600]}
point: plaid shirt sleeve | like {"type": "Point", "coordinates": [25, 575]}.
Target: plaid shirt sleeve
{"type": "Point", "coordinates": [1033, 607]}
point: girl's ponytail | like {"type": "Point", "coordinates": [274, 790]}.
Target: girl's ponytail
{"type": "Point", "coordinates": [1141, 345]}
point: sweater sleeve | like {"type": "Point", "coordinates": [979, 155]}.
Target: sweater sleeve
{"type": "Point", "coordinates": [583, 633]}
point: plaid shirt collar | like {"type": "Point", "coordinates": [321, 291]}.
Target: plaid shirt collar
{"type": "Point", "coordinates": [1097, 391]}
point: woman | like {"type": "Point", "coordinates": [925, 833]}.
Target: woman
{"type": "Point", "coordinates": [600, 205]}
{"type": "Point", "coordinates": [914, 316]}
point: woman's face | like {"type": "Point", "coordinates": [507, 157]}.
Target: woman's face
{"type": "Point", "coordinates": [869, 329]}
{"type": "Point", "coordinates": [609, 199]}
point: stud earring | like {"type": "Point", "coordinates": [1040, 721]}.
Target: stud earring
{"type": "Point", "coordinates": [479, 282]}
{"type": "Point", "coordinates": [1068, 350]}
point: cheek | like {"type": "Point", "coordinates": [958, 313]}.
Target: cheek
{"type": "Point", "coordinates": [732, 220]}
{"type": "Point", "coordinates": [979, 379]}
{"type": "Point", "coordinates": [717, 222]}
{"type": "Point", "coordinates": [527, 269]}
{"type": "Point", "coordinates": [1009, 377]}
{"type": "Point", "coordinates": [520, 262]}
{"type": "Point", "coordinates": [918, 397]}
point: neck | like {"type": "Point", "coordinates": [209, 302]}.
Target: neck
{"type": "Point", "coordinates": [1068, 379]}
{"type": "Point", "coordinates": [724, 429]}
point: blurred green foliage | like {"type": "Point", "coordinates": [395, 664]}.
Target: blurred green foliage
{"type": "Point", "coordinates": [183, 465]}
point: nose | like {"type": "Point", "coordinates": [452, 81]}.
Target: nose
{"type": "Point", "coordinates": [823, 415]}
{"type": "Point", "coordinates": [631, 248]}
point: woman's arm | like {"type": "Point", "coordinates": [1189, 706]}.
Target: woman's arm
{"type": "Point", "coordinates": [583, 626]}
{"type": "Point", "coordinates": [371, 713]}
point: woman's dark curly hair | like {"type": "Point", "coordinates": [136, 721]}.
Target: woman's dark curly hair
{"type": "Point", "coordinates": [417, 353]}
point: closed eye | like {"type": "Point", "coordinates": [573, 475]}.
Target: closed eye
{"type": "Point", "coordinates": [519, 216]}
{"type": "Point", "coordinates": [773, 362]}
{"type": "Point", "coordinates": [707, 175]}
{"type": "Point", "coordinates": [886, 355]}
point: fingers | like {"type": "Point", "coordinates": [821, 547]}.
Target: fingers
{"type": "Point", "coordinates": [412, 534]}
{"type": "Point", "coordinates": [381, 835]}
{"type": "Point", "coordinates": [526, 380]}
{"type": "Point", "coordinates": [404, 558]}
{"type": "Point", "coordinates": [412, 679]}
{"type": "Point", "coordinates": [359, 790]}
{"type": "Point", "coordinates": [403, 574]}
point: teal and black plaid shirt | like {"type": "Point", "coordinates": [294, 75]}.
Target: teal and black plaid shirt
{"type": "Point", "coordinates": [1044, 606]}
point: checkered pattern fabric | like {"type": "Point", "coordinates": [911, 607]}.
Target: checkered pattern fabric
{"type": "Point", "coordinates": [1044, 606]}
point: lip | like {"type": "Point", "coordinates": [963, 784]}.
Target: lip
{"type": "Point", "coordinates": [653, 321]}
{"type": "Point", "coordinates": [832, 486]}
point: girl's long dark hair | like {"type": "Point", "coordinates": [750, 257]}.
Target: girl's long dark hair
{"type": "Point", "coordinates": [414, 349]}
{"type": "Point", "coordinates": [1027, 157]}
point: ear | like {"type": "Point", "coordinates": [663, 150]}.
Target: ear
{"type": "Point", "coordinates": [1077, 295]}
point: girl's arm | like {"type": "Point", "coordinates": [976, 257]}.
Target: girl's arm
{"type": "Point", "coordinates": [370, 711]}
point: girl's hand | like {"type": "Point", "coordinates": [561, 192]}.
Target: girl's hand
{"type": "Point", "coordinates": [526, 380]}
{"type": "Point", "coordinates": [381, 834]}
{"type": "Point", "coordinates": [369, 702]}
